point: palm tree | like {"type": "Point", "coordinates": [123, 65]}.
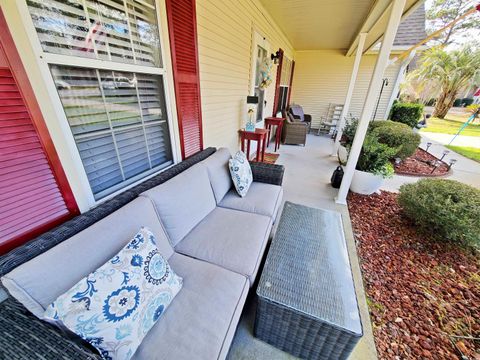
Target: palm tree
{"type": "Point", "coordinates": [450, 71]}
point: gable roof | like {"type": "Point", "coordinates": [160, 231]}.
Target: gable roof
{"type": "Point", "coordinates": [412, 29]}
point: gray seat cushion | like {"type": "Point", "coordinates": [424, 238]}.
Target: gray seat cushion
{"type": "Point", "coordinates": [38, 282]}
{"type": "Point", "coordinates": [183, 201]}
{"type": "Point", "coordinates": [218, 172]}
{"type": "Point", "coordinates": [263, 199]}
{"type": "Point", "coordinates": [230, 238]}
{"type": "Point", "coordinates": [201, 320]}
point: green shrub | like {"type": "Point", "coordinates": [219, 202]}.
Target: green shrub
{"type": "Point", "coordinates": [407, 113]}
{"type": "Point", "coordinates": [375, 157]}
{"type": "Point", "coordinates": [457, 102]}
{"type": "Point", "coordinates": [396, 135]}
{"type": "Point", "coordinates": [444, 207]}
{"type": "Point", "coordinates": [349, 133]}
{"type": "Point", "coordinates": [467, 101]}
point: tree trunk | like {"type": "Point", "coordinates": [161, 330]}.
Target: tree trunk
{"type": "Point", "coordinates": [444, 104]}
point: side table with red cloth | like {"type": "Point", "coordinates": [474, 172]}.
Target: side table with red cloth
{"type": "Point", "coordinates": [260, 136]}
{"type": "Point", "coordinates": [270, 122]}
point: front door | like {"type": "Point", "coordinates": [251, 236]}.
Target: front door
{"type": "Point", "coordinates": [260, 64]}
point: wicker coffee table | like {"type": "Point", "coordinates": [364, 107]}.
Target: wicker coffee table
{"type": "Point", "coordinates": [306, 297]}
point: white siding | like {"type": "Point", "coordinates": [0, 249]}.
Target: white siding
{"type": "Point", "coordinates": [225, 50]}
{"type": "Point", "coordinates": [321, 77]}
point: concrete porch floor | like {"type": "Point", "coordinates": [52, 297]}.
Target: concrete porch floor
{"type": "Point", "coordinates": [307, 182]}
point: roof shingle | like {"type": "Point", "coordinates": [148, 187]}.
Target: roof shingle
{"type": "Point", "coordinates": [412, 29]}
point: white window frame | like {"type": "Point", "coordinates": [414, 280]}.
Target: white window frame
{"type": "Point", "coordinates": [258, 40]}
{"type": "Point", "coordinates": [84, 195]}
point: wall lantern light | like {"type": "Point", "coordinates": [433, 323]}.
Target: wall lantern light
{"type": "Point", "coordinates": [275, 57]}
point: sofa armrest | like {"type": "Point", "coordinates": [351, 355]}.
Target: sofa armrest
{"type": "Point", "coordinates": [267, 173]}
{"type": "Point", "coordinates": [31, 338]}
{"type": "Point", "coordinates": [307, 117]}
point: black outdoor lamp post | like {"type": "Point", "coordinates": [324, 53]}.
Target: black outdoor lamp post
{"type": "Point", "coordinates": [384, 83]}
{"type": "Point", "coordinates": [428, 146]}
{"type": "Point", "coordinates": [451, 163]}
{"type": "Point", "coordinates": [445, 153]}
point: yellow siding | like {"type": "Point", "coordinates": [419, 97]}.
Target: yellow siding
{"type": "Point", "coordinates": [225, 51]}
{"type": "Point", "coordinates": [321, 77]}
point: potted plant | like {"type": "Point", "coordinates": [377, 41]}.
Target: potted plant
{"type": "Point", "coordinates": [373, 166]}
{"type": "Point", "coordinates": [346, 141]}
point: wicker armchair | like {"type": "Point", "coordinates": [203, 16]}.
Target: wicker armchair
{"type": "Point", "coordinates": [295, 131]}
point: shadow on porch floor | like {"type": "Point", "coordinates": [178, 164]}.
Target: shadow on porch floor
{"type": "Point", "coordinates": [307, 181]}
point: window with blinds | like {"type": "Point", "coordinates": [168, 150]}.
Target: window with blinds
{"type": "Point", "coordinates": [118, 118]}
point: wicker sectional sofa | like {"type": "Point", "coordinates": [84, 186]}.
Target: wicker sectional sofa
{"type": "Point", "coordinates": [212, 238]}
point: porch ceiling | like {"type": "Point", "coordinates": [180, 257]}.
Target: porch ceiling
{"type": "Point", "coordinates": [331, 24]}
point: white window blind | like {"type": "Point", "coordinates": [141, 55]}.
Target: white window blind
{"type": "Point", "coordinates": [117, 30]}
{"type": "Point", "coordinates": [119, 122]}
{"type": "Point", "coordinates": [118, 118]}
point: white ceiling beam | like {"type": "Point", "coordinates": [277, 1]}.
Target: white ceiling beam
{"type": "Point", "coordinates": [375, 13]}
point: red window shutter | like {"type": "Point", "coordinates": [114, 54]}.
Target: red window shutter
{"type": "Point", "coordinates": [182, 26]}
{"type": "Point", "coordinates": [276, 99]}
{"type": "Point", "coordinates": [35, 193]}
{"type": "Point", "coordinates": [290, 85]}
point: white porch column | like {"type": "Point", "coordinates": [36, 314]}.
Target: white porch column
{"type": "Point", "coordinates": [372, 94]}
{"type": "Point", "coordinates": [348, 97]}
{"type": "Point", "coordinates": [398, 81]}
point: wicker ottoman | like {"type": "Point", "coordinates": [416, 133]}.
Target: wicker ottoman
{"type": "Point", "coordinates": [306, 297]}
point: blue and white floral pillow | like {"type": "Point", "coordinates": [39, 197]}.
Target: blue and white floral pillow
{"type": "Point", "coordinates": [241, 173]}
{"type": "Point", "coordinates": [114, 307]}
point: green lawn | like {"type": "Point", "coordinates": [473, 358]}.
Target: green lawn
{"type": "Point", "coordinates": [449, 126]}
{"type": "Point", "coordinates": [469, 152]}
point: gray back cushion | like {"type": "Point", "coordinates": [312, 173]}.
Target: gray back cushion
{"type": "Point", "coordinates": [183, 201]}
{"type": "Point", "coordinates": [38, 282]}
{"type": "Point", "coordinates": [218, 172]}
{"type": "Point", "coordinates": [298, 111]}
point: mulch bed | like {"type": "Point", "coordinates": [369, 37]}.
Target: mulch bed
{"type": "Point", "coordinates": [420, 289]}
{"type": "Point", "coordinates": [421, 163]}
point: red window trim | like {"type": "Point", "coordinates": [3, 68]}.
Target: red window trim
{"type": "Point", "coordinates": [277, 83]}
{"type": "Point", "coordinates": [291, 83]}
{"type": "Point", "coordinates": [177, 78]}
{"type": "Point", "coordinates": [26, 91]}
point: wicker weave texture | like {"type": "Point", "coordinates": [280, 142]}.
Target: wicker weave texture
{"type": "Point", "coordinates": [295, 131]}
{"type": "Point", "coordinates": [299, 335]}
{"type": "Point", "coordinates": [267, 173]}
{"type": "Point", "coordinates": [307, 302]}
{"type": "Point", "coordinates": [23, 336]}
